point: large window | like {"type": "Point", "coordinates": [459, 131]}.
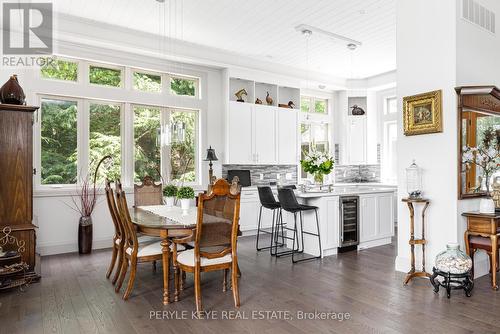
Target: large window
{"type": "Point", "coordinates": [161, 141]}
{"type": "Point", "coordinates": [390, 136]}
{"type": "Point", "coordinates": [58, 141]}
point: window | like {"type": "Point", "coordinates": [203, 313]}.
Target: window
{"type": "Point", "coordinates": [105, 76]}
{"type": "Point", "coordinates": [183, 86]}
{"type": "Point", "coordinates": [314, 137]}
{"type": "Point", "coordinates": [147, 142]}
{"type": "Point", "coordinates": [390, 136]}
{"type": "Point", "coordinates": [313, 105]}
{"type": "Point", "coordinates": [147, 82]}
{"type": "Point", "coordinates": [105, 139]}
{"type": "Point", "coordinates": [60, 70]}
{"type": "Point", "coordinates": [183, 153]}
{"type": "Point", "coordinates": [58, 141]}
{"type": "Point", "coordinates": [391, 106]}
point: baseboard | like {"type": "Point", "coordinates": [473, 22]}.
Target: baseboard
{"type": "Point", "coordinates": [374, 243]}
{"type": "Point", "coordinates": [70, 247]}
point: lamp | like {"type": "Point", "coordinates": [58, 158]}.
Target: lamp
{"type": "Point", "coordinates": [211, 156]}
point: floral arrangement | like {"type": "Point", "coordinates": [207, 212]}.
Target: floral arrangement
{"type": "Point", "coordinates": [170, 190]}
{"type": "Point", "coordinates": [318, 164]}
{"type": "Point", "coordinates": [486, 156]}
{"type": "Point", "coordinates": [185, 193]}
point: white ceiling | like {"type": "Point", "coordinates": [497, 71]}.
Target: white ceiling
{"type": "Point", "coordinates": [264, 29]}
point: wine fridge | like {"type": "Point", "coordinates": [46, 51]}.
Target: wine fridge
{"type": "Point", "coordinates": [349, 222]}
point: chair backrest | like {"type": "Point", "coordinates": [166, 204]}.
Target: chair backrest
{"type": "Point", "coordinates": [287, 199]}
{"type": "Point", "coordinates": [129, 228]}
{"type": "Point", "coordinates": [266, 197]}
{"type": "Point", "coordinates": [113, 210]}
{"type": "Point", "coordinates": [148, 193]}
{"type": "Point", "coordinates": [218, 221]}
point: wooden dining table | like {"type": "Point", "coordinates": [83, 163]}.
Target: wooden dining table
{"type": "Point", "coordinates": [165, 222]}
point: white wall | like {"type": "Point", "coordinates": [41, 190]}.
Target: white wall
{"type": "Point", "coordinates": [426, 61]}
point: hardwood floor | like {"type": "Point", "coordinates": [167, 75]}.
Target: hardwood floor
{"type": "Point", "coordinates": [75, 297]}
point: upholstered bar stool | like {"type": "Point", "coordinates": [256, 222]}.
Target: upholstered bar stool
{"type": "Point", "coordinates": [289, 203]}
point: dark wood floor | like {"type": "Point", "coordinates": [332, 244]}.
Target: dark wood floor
{"type": "Point", "coordinates": [75, 297]}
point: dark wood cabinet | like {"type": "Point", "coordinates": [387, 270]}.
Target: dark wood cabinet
{"type": "Point", "coordinates": [16, 177]}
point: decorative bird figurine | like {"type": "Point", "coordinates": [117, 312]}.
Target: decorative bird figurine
{"type": "Point", "coordinates": [269, 99]}
{"type": "Point", "coordinates": [258, 101]}
{"type": "Point", "coordinates": [239, 94]}
{"type": "Point", "coordinates": [291, 104]}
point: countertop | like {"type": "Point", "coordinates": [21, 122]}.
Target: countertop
{"type": "Point", "coordinates": [340, 190]}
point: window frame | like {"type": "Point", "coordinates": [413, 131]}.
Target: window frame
{"type": "Point", "coordinates": [312, 105]}
{"type": "Point", "coordinates": [122, 70]}
{"type": "Point", "coordinates": [139, 70]}
{"type": "Point", "coordinates": [171, 76]}
{"type": "Point", "coordinates": [79, 72]}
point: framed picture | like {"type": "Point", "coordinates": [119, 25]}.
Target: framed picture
{"type": "Point", "coordinates": [422, 113]}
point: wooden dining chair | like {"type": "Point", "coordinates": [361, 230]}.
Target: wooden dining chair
{"type": "Point", "coordinates": [148, 192]}
{"type": "Point", "coordinates": [134, 252]}
{"type": "Point", "coordinates": [476, 243]}
{"type": "Point", "coordinates": [118, 237]}
{"type": "Point", "coordinates": [215, 241]}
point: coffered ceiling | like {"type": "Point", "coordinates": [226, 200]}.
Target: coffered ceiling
{"type": "Point", "coordinates": [265, 30]}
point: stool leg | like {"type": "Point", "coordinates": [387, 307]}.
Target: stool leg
{"type": "Point", "coordinates": [282, 230]}
{"type": "Point", "coordinates": [294, 235]}
{"type": "Point", "coordinates": [319, 234]}
{"type": "Point", "coordinates": [272, 234]}
{"type": "Point", "coordinates": [258, 230]}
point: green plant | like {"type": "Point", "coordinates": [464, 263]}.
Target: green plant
{"type": "Point", "coordinates": [185, 193]}
{"type": "Point", "coordinates": [170, 190]}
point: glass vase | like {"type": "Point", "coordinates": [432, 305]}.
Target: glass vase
{"type": "Point", "coordinates": [318, 178]}
{"type": "Point", "coordinates": [453, 260]}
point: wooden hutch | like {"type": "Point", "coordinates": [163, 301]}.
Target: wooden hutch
{"type": "Point", "coordinates": [16, 179]}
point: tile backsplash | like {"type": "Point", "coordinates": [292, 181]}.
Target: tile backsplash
{"type": "Point", "coordinates": [269, 173]}
{"type": "Point", "coordinates": [357, 173]}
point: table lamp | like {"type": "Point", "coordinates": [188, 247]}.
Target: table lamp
{"type": "Point", "coordinates": [210, 157]}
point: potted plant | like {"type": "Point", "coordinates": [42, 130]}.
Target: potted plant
{"type": "Point", "coordinates": [87, 199]}
{"type": "Point", "coordinates": [185, 194]}
{"type": "Point", "coordinates": [170, 191]}
{"type": "Point", "coordinates": [486, 157]}
{"type": "Point", "coordinates": [319, 164]}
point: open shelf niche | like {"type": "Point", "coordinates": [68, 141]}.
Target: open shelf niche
{"type": "Point", "coordinates": [287, 94]}
{"type": "Point", "coordinates": [261, 90]}
{"type": "Point", "coordinates": [235, 84]}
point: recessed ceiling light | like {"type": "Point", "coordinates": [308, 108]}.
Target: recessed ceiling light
{"type": "Point", "coordinates": [352, 46]}
{"type": "Point", "coordinates": [321, 86]}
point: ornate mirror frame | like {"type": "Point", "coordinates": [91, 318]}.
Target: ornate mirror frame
{"type": "Point", "coordinates": [478, 99]}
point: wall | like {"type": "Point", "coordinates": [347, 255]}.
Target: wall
{"type": "Point", "coordinates": [426, 61]}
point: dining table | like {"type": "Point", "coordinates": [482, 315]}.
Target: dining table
{"type": "Point", "coordinates": [165, 222]}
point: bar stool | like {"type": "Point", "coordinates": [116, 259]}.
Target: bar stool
{"type": "Point", "coordinates": [289, 203]}
{"type": "Point", "coordinates": [267, 201]}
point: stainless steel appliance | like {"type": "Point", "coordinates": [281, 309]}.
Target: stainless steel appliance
{"type": "Point", "coordinates": [349, 222]}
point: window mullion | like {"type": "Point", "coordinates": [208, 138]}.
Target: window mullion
{"type": "Point", "coordinates": [127, 144]}
{"type": "Point", "coordinates": [166, 145]}
{"type": "Point", "coordinates": [83, 133]}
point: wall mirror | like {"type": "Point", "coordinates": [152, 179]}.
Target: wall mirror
{"type": "Point", "coordinates": [478, 139]}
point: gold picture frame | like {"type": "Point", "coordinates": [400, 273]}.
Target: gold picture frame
{"type": "Point", "coordinates": [422, 113]}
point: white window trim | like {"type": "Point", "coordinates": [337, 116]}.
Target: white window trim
{"type": "Point", "coordinates": [138, 70]}
{"type": "Point", "coordinates": [79, 80]}
{"type": "Point", "coordinates": [171, 76]}
{"type": "Point", "coordinates": [312, 105]}
{"type": "Point", "coordinates": [123, 77]}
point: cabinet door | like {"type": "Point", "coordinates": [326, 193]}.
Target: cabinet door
{"type": "Point", "coordinates": [240, 134]}
{"type": "Point", "coordinates": [265, 134]}
{"type": "Point", "coordinates": [287, 129]}
{"type": "Point", "coordinates": [385, 215]}
{"type": "Point", "coordinates": [357, 139]}
{"type": "Point", "coordinates": [368, 217]}
{"type": "Point", "coordinates": [249, 211]}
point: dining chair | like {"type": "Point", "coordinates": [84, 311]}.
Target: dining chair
{"type": "Point", "coordinates": [215, 241]}
{"type": "Point", "coordinates": [118, 237]}
{"type": "Point", "coordinates": [148, 192]}
{"type": "Point", "coordinates": [134, 251]}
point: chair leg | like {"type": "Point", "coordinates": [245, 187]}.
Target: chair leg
{"type": "Point", "coordinates": [154, 266]}
{"type": "Point", "coordinates": [113, 261]}
{"type": "Point", "coordinates": [258, 230]}
{"type": "Point", "coordinates": [197, 288]}
{"type": "Point", "coordinates": [234, 284]}
{"type": "Point", "coordinates": [224, 282]}
{"type": "Point", "coordinates": [118, 266]}
{"type": "Point", "coordinates": [177, 284]}
{"type": "Point", "coordinates": [123, 272]}
{"type": "Point", "coordinates": [131, 279]}
{"type": "Point", "coordinates": [319, 234]}
{"type": "Point", "coordinates": [183, 279]}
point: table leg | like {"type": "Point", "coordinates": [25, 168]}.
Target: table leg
{"type": "Point", "coordinates": [494, 256]}
{"type": "Point", "coordinates": [165, 248]}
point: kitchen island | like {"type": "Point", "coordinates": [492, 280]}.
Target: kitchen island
{"type": "Point", "coordinates": [375, 220]}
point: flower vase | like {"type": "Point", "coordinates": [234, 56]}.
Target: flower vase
{"type": "Point", "coordinates": [185, 202]}
{"type": "Point", "coordinates": [170, 201]}
{"type": "Point", "coordinates": [85, 235]}
{"type": "Point", "coordinates": [318, 178]}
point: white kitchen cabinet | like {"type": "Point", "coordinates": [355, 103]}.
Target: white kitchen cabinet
{"type": "Point", "coordinates": [240, 148]}
{"type": "Point", "coordinates": [264, 132]}
{"type": "Point", "coordinates": [249, 212]}
{"type": "Point", "coordinates": [260, 134]}
{"type": "Point", "coordinates": [376, 219]}
{"type": "Point", "coordinates": [356, 148]}
{"type": "Point", "coordinates": [287, 130]}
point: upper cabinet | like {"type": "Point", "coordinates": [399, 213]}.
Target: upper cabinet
{"type": "Point", "coordinates": [261, 123]}
{"type": "Point", "coordinates": [356, 148]}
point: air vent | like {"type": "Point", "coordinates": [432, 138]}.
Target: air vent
{"type": "Point", "coordinates": [479, 15]}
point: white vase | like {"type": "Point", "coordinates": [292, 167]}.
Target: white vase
{"type": "Point", "coordinates": [185, 202]}
{"type": "Point", "coordinates": [169, 201]}
{"type": "Point", "coordinates": [487, 205]}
